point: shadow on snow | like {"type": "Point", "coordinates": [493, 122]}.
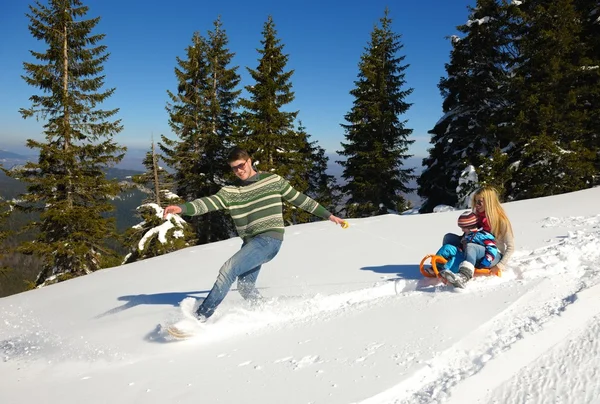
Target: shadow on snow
{"type": "Point", "coordinates": [169, 299]}
{"type": "Point", "coordinates": [402, 271]}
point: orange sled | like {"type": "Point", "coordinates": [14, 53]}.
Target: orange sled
{"type": "Point", "coordinates": [437, 259]}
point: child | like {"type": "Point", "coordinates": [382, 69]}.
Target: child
{"type": "Point", "coordinates": [458, 270]}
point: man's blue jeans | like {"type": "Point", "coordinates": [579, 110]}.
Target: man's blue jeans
{"type": "Point", "coordinates": [473, 253]}
{"type": "Point", "coordinates": [245, 266]}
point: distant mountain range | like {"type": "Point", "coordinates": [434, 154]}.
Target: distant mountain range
{"type": "Point", "coordinates": [125, 204]}
{"type": "Point", "coordinates": [9, 159]}
{"type": "Point", "coordinates": [132, 160]}
{"type": "Point", "coordinates": [10, 155]}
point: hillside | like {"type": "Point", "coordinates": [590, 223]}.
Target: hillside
{"type": "Point", "coordinates": [347, 319]}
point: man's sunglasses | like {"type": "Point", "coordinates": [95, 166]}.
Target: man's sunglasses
{"type": "Point", "coordinates": [239, 166]}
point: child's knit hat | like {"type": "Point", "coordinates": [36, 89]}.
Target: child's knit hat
{"type": "Point", "coordinates": [467, 220]}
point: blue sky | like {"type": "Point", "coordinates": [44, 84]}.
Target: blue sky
{"type": "Point", "coordinates": [324, 41]}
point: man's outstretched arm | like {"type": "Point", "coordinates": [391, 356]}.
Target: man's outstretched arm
{"type": "Point", "coordinates": [304, 202]}
{"type": "Point", "coordinates": [198, 207]}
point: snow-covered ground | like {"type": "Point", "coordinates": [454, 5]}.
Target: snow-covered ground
{"type": "Point", "coordinates": [348, 319]}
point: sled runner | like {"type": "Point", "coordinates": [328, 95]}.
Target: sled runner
{"type": "Point", "coordinates": [433, 272]}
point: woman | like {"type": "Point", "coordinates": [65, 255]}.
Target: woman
{"type": "Point", "coordinates": [492, 218]}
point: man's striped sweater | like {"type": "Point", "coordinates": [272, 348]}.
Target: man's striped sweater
{"type": "Point", "coordinates": [256, 206]}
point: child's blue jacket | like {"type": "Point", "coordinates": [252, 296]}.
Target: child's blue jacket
{"type": "Point", "coordinates": [455, 254]}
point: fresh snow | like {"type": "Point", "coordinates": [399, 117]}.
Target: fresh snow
{"type": "Point", "coordinates": [347, 318]}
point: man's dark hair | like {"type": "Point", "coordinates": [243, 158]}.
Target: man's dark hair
{"type": "Point", "coordinates": [237, 153]}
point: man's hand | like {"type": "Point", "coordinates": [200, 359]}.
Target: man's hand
{"type": "Point", "coordinates": [337, 220]}
{"type": "Point", "coordinates": [171, 209]}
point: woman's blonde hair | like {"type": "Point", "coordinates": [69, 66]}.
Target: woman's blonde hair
{"type": "Point", "coordinates": [496, 216]}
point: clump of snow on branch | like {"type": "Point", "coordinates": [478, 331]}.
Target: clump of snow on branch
{"type": "Point", "coordinates": [468, 182]}
{"type": "Point", "coordinates": [168, 195]}
{"type": "Point", "coordinates": [443, 208]}
{"type": "Point", "coordinates": [161, 230]}
{"type": "Point", "coordinates": [479, 21]}
{"type": "Point", "coordinates": [156, 236]}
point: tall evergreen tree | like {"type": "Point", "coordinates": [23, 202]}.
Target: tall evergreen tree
{"type": "Point", "coordinates": [589, 14]}
{"type": "Point", "coordinates": [376, 140]}
{"type": "Point", "coordinates": [202, 115]}
{"type": "Point", "coordinates": [549, 93]}
{"type": "Point", "coordinates": [268, 132]}
{"type": "Point", "coordinates": [68, 186]}
{"type": "Point", "coordinates": [5, 210]}
{"type": "Point", "coordinates": [311, 179]}
{"type": "Point", "coordinates": [322, 187]}
{"type": "Point", "coordinates": [474, 93]}
{"type": "Point", "coordinates": [296, 170]}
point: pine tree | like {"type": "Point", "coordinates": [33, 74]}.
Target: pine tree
{"type": "Point", "coordinates": [296, 170]}
{"type": "Point", "coordinates": [322, 187]}
{"type": "Point", "coordinates": [156, 181]}
{"type": "Point", "coordinates": [267, 131]}
{"type": "Point", "coordinates": [5, 210]}
{"type": "Point", "coordinates": [153, 236]}
{"type": "Point", "coordinates": [474, 93]}
{"type": "Point", "coordinates": [549, 96]}
{"type": "Point", "coordinates": [68, 186]}
{"type": "Point", "coordinates": [310, 179]}
{"type": "Point", "coordinates": [589, 14]}
{"type": "Point", "coordinates": [202, 115]}
{"type": "Point", "coordinates": [376, 140]}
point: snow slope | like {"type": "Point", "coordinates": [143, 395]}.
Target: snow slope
{"type": "Point", "coordinates": [348, 319]}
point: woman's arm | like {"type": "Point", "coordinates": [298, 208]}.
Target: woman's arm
{"type": "Point", "coordinates": [509, 243]}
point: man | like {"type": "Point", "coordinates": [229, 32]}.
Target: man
{"type": "Point", "coordinates": [256, 209]}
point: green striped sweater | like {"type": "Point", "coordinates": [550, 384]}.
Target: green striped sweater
{"type": "Point", "coordinates": [256, 206]}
